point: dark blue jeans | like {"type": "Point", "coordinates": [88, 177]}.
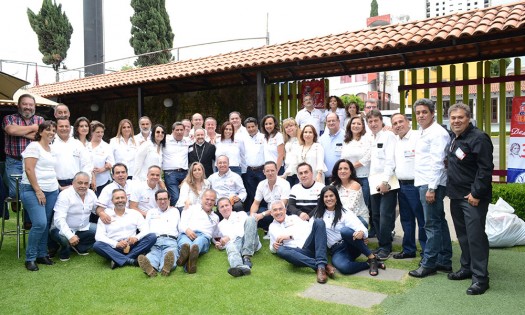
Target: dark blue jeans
{"type": "Point", "coordinates": [313, 253]}
{"type": "Point", "coordinates": [141, 247]}
{"type": "Point", "coordinates": [345, 253]}
{"type": "Point", "coordinates": [410, 210]}
{"type": "Point", "coordinates": [251, 179]}
{"type": "Point", "coordinates": [384, 218]}
{"type": "Point", "coordinates": [86, 239]}
{"type": "Point", "coordinates": [173, 179]}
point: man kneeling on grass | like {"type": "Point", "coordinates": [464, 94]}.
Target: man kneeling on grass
{"type": "Point", "coordinates": [301, 243]}
{"type": "Point", "coordinates": [238, 233]}
{"type": "Point", "coordinates": [164, 222]}
{"type": "Point", "coordinates": [118, 240]}
{"type": "Point", "coordinates": [198, 224]}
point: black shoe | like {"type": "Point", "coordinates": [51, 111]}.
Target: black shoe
{"type": "Point", "coordinates": [31, 266]}
{"type": "Point", "coordinates": [382, 254]}
{"type": "Point", "coordinates": [45, 260]}
{"type": "Point", "coordinates": [113, 265]}
{"type": "Point", "coordinates": [461, 274]}
{"type": "Point", "coordinates": [404, 255]}
{"type": "Point", "coordinates": [247, 261]}
{"type": "Point", "coordinates": [422, 272]}
{"type": "Point", "coordinates": [477, 288]}
{"type": "Point", "coordinates": [444, 268]}
{"type": "Point", "coordinates": [183, 255]}
{"type": "Point", "coordinates": [132, 262]}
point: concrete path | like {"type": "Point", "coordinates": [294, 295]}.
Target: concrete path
{"type": "Point", "coordinates": [341, 295]}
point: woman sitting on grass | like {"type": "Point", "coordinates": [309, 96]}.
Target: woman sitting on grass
{"type": "Point", "coordinates": [345, 234]}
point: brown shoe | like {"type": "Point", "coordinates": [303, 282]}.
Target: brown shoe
{"type": "Point", "coordinates": [191, 267]}
{"type": "Point", "coordinates": [330, 271]}
{"type": "Point", "coordinates": [169, 259]}
{"type": "Point", "coordinates": [321, 275]}
{"type": "Point", "coordinates": [184, 254]}
{"type": "Point", "coordinates": [145, 264]}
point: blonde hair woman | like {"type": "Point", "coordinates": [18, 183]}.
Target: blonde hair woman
{"type": "Point", "coordinates": [124, 146]}
{"type": "Point", "coordinates": [290, 131]}
{"type": "Point", "coordinates": [193, 186]}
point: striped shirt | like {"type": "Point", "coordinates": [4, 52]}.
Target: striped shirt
{"type": "Point", "coordinates": [304, 199]}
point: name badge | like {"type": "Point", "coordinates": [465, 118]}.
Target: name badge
{"type": "Point", "coordinates": [410, 153]}
{"type": "Point", "coordinates": [460, 154]}
{"type": "Point", "coordinates": [339, 147]}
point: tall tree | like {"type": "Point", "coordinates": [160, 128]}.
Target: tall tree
{"type": "Point", "coordinates": [374, 8]}
{"type": "Point", "coordinates": [151, 31]}
{"type": "Point", "coordinates": [54, 33]}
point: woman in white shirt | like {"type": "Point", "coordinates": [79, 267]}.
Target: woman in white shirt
{"type": "Point", "coordinates": [291, 144]}
{"type": "Point", "coordinates": [345, 235]}
{"type": "Point", "coordinates": [351, 110]}
{"type": "Point", "coordinates": [38, 192]}
{"type": "Point", "coordinates": [232, 146]}
{"type": "Point", "coordinates": [357, 148]}
{"type": "Point", "coordinates": [192, 187]}
{"type": "Point", "coordinates": [102, 157]}
{"type": "Point", "coordinates": [335, 105]}
{"type": "Point", "coordinates": [273, 142]}
{"type": "Point", "coordinates": [311, 152]}
{"type": "Point", "coordinates": [81, 130]}
{"type": "Point", "coordinates": [124, 146]}
{"type": "Point", "coordinates": [150, 153]}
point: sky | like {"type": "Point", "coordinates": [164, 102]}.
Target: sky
{"type": "Point", "coordinates": [193, 22]}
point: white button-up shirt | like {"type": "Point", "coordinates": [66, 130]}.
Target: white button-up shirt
{"type": "Point", "coordinates": [144, 195]}
{"type": "Point", "coordinates": [315, 118]}
{"type": "Point", "coordinates": [227, 185]}
{"type": "Point", "coordinates": [233, 227]}
{"type": "Point", "coordinates": [359, 151]}
{"type": "Point", "coordinates": [125, 152]}
{"type": "Point", "coordinates": [121, 227]}
{"type": "Point", "coordinates": [196, 219]}
{"type": "Point", "coordinates": [72, 213]}
{"type": "Point", "coordinates": [147, 155]}
{"type": "Point", "coordinates": [348, 219]}
{"type": "Point", "coordinates": [99, 156]}
{"type": "Point", "coordinates": [254, 147]}
{"type": "Point", "coordinates": [175, 153]}
{"type": "Point", "coordinates": [73, 157]}
{"type": "Point", "coordinates": [104, 199]}
{"type": "Point", "coordinates": [405, 154]}
{"type": "Point", "coordinates": [382, 155]}
{"type": "Point", "coordinates": [292, 225]}
{"type": "Point", "coordinates": [280, 191]}
{"type": "Point", "coordinates": [163, 222]}
{"type": "Point", "coordinates": [235, 151]}
{"type": "Point", "coordinates": [430, 157]}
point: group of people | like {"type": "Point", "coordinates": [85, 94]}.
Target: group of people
{"type": "Point", "coordinates": [322, 186]}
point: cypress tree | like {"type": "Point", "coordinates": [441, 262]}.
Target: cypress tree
{"type": "Point", "coordinates": [374, 8]}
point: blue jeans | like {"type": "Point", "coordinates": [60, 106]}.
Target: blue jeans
{"type": "Point", "coordinates": [292, 180]}
{"type": "Point", "coordinates": [384, 218]}
{"type": "Point", "coordinates": [410, 210]}
{"type": "Point", "coordinates": [265, 222]}
{"type": "Point", "coordinates": [438, 250]}
{"type": "Point", "coordinates": [159, 251]}
{"type": "Point", "coordinates": [366, 191]}
{"type": "Point", "coordinates": [243, 246]}
{"type": "Point", "coordinates": [236, 169]}
{"type": "Point", "coordinates": [12, 167]}
{"type": "Point", "coordinates": [40, 216]}
{"type": "Point", "coordinates": [173, 179]}
{"type": "Point", "coordinates": [86, 239]}
{"type": "Point", "coordinates": [251, 179]}
{"type": "Point", "coordinates": [117, 255]}
{"type": "Point", "coordinates": [345, 253]}
{"type": "Point", "coordinates": [313, 253]}
{"type": "Point", "coordinates": [202, 241]}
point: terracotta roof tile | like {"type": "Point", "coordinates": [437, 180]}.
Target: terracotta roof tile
{"type": "Point", "coordinates": [457, 25]}
{"type": "Point", "coordinates": [472, 89]}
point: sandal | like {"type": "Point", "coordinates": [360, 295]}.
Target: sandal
{"type": "Point", "coordinates": [375, 264]}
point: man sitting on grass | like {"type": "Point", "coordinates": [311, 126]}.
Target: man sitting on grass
{"type": "Point", "coordinates": [238, 233]}
{"type": "Point", "coordinates": [198, 224]}
{"type": "Point", "coordinates": [164, 222]}
{"type": "Point", "coordinates": [118, 240]}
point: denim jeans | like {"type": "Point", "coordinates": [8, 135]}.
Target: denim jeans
{"type": "Point", "coordinates": [251, 179]}
{"type": "Point", "coordinates": [313, 253]}
{"type": "Point", "coordinates": [86, 239]}
{"type": "Point", "coordinates": [160, 249]}
{"type": "Point", "coordinates": [12, 167]}
{"type": "Point", "coordinates": [438, 249]}
{"type": "Point", "coordinates": [410, 210]}
{"type": "Point", "coordinates": [117, 255]}
{"type": "Point", "coordinates": [40, 216]}
{"type": "Point", "coordinates": [202, 241]}
{"type": "Point", "coordinates": [345, 253]}
{"type": "Point", "coordinates": [173, 179]}
{"type": "Point", "coordinates": [265, 222]}
{"type": "Point", "coordinates": [243, 246]}
{"type": "Point", "coordinates": [384, 218]}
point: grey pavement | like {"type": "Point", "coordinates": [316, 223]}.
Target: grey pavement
{"type": "Point", "coordinates": [342, 295]}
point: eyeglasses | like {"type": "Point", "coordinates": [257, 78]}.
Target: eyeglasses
{"type": "Point", "coordinates": [159, 131]}
{"type": "Point", "coordinates": [371, 107]}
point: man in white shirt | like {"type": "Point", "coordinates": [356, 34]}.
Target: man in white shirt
{"type": "Point", "coordinates": [119, 241]}
{"type": "Point", "coordinates": [197, 121]}
{"type": "Point", "coordinates": [235, 119]}
{"type": "Point", "coordinates": [238, 235]}
{"type": "Point", "coordinates": [269, 190]}
{"type": "Point", "coordinates": [332, 142]}
{"type": "Point", "coordinates": [228, 184]}
{"type": "Point", "coordinates": [300, 242]}
{"type": "Point", "coordinates": [430, 178]}
{"type": "Point", "coordinates": [120, 181]}
{"type": "Point", "coordinates": [143, 194]}
{"type": "Point", "coordinates": [309, 115]}
{"type": "Point", "coordinates": [198, 225]}
{"type": "Point", "coordinates": [71, 227]}
{"type": "Point", "coordinates": [187, 127]}
{"type": "Point", "coordinates": [175, 160]}
{"type": "Point", "coordinates": [303, 196]}
{"type": "Point", "coordinates": [254, 146]}
{"type": "Point", "coordinates": [145, 130]}
{"type": "Point", "coordinates": [210, 125]}
{"type": "Point", "coordinates": [410, 207]}
{"type": "Point", "coordinates": [164, 222]}
{"type": "Point", "coordinates": [382, 198]}
{"type": "Point", "coordinates": [71, 153]}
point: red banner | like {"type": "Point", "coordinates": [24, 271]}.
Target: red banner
{"type": "Point", "coordinates": [315, 88]}
{"type": "Point", "coordinates": [516, 151]}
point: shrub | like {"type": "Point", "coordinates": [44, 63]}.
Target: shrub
{"type": "Point", "coordinates": [514, 194]}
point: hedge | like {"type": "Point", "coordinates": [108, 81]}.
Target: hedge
{"type": "Point", "coordinates": [514, 194]}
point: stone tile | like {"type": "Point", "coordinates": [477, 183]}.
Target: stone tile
{"type": "Point", "coordinates": [390, 274]}
{"type": "Point", "coordinates": [341, 295]}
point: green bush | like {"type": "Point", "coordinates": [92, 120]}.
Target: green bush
{"type": "Point", "coordinates": [514, 194]}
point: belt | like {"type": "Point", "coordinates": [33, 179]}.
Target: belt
{"type": "Point", "coordinates": [256, 168]}
{"type": "Point", "coordinates": [336, 244]}
{"type": "Point", "coordinates": [406, 182]}
{"type": "Point", "coordinates": [176, 170]}
{"type": "Point", "coordinates": [18, 158]}
{"type": "Point", "coordinates": [167, 235]}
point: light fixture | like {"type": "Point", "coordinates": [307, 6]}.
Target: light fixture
{"type": "Point", "coordinates": [168, 102]}
{"type": "Point", "coordinates": [94, 107]}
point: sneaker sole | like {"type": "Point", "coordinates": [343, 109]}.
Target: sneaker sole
{"type": "Point", "coordinates": [236, 272]}
{"type": "Point", "coordinates": [184, 255]}
{"type": "Point", "coordinates": [169, 259]}
{"type": "Point", "coordinates": [145, 264]}
{"type": "Point", "coordinates": [192, 260]}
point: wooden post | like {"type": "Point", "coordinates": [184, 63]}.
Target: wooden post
{"type": "Point", "coordinates": [479, 97]}
{"type": "Point", "coordinates": [452, 88]}
{"type": "Point", "coordinates": [285, 111]}
{"type": "Point", "coordinates": [466, 95]}
{"type": "Point", "coordinates": [487, 108]}
{"type": "Point", "coordinates": [402, 100]}
{"type": "Point", "coordinates": [426, 80]}
{"type": "Point", "coordinates": [502, 117]}
{"type": "Point", "coordinates": [439, 95]}
{"type": "Point", "coordinates": [261, 103]}
{"type": "Point", "coordinates": [413, 94]}
{"type": "Point", "coordinates": [140, 102]}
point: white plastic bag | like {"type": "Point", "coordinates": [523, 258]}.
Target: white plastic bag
{"type": "Point", "coordinates": [503, 227]}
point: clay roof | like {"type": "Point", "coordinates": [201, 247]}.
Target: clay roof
{"type": "Point", "coordinates": [488, 33]}
{"type": "Point", "coordinates": [472, 89]}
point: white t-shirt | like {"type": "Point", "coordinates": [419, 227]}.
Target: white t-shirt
{"type": "Point", "coordinates": [270, 147]}
{"type": "Point", "coordinates": [44, 168]}
{"type": "Point", "coordinates": [124, 152]}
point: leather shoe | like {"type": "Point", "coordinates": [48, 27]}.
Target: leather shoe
{"type": "Point", "coordinates": [45, 260]}
{"type": "Point", "coordinates": [191, 266]}
{"type": "Point", "coordinates": [321, 275]}
{"type": "Point", "coordinates": [422, 272]}
{"type": "Point", "coordinates": [330, 271]}
{"type": "Point", "coordinates": [184, 255]}
{"type": "Point", "coordinates": [404, 255]}
{"type": "Point", "coordinates": [31, 266]}
{"type": "Point", "coordinates": [477, 288]}
{"type": "Point", "coordinates": [461, 274]}
{"type": "Point", "coordinates": [444, 268]}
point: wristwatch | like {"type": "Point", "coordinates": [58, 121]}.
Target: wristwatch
{"type": "Point", "coordinates": [431, 190]}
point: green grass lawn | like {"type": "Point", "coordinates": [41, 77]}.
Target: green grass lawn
{"type": "Point", "coordinates": [86, 285]}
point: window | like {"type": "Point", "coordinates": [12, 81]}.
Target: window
{"type": "Point", "coordinates": [494, 109]}
{"type": "Point", "coordinates": [446, 105]}
{"type": "Point", "coordinates": [509, 108]}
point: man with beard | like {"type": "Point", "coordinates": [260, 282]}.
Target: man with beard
{"type": "Point", "coordinates": [145, 130]}
{"type": "Point", "coordinates": [202, 151]}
